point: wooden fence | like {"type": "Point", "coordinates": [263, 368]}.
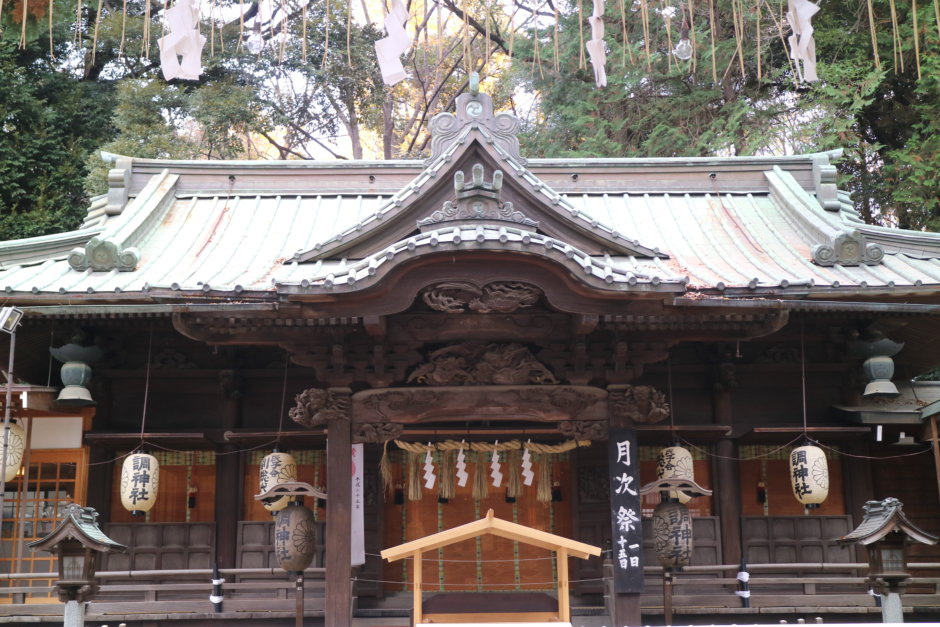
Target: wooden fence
{"type": "Point", "coordinates": [250, 593]}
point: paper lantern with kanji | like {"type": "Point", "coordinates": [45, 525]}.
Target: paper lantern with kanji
{"type": "Point", "coordinates": [294, 538]}
{"type": "Point", "coordinates": [140, 481]}
{"type": "Point", "coordinates": [675, 462]}
{"type": "Point", "coordinates": [15, 450]}
{"type": "Point", "coordinates": [809, 475]}
{"type": "Point", "coordinates": [276, 468]}
{"type": "Point", "coordinates": [672, 534]}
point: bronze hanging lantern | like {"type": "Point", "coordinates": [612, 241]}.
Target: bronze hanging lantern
{"type": "Point", "coordinates": [675, 462]}
{"type": "Point", "coordinates": [809, 475]}
{"type": "Point", "coordinates": [294, 538]}
{"type": "Point", "coordinates": [672, 534]}
{"type": "Point", "coordinates": [276, 468]}
{"type": "Point", "coordinates": [16, 446]}
{"type": "Point", "coordinates": [140, 481]}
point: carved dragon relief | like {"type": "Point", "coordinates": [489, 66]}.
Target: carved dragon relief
{"type": "Point", "coordinates": [642, 404]}
{"type": "Point", "coordinates": [473, 363]}
{"type": "Point", "coordinates": [316, 406]}
{"type": "Point", "coordinates": [498, 297]}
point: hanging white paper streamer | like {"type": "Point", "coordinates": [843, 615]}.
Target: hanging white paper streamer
{"type": "Point", "coordinates": [527, 474]}
{"type": "Point", "coordinates": [461, 466]}
{"type": "Point", "coordinates": [802, 44]}
{"type": "Point", "coordinates": [429, 469]}
{"type": "Point", "coordinates": [595, 46]}
{"type": "Point", "coordinates": [389, 49]}
{"type": "Point", "coordinates": [494, 470]}
{"type": "Point", "coordinates": [182, 40]}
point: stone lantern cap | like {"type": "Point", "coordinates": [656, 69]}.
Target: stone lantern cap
{"type": "Point", "coordinates": [881, 518]}
{"type": "Point", "coordinates": [80, 524]}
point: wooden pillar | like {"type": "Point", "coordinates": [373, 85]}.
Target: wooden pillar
{"type": "Point", "coordinates": [727, 484]}
{"type": "Point", "coordinates": [858, 486]}
{"type": "Point", "coordinates": [338, 611]}
{"type": "Point", "coordinates": [228, 502]}
{"type": "Point", "coordinates": [626, 606]}
{"type": "Point", "coordinates": [228, 494]}
{"type": "Point", "coordinates": [728, 491]}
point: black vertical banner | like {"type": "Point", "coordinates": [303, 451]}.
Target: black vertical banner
{"type": "Point", "coordinates": [627, 537]}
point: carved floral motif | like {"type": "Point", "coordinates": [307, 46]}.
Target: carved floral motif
{"type": "Point", "coordinates": [642, 404]}
{"type": "Point", "coordinates": [377, 432]}
{"type": "Point", "coordinates": [316, 406]}
{"type": "Point", "coordinates": [583, 429]}
{"type": "Point", "coordinates": [498, 297]}
{"type": "Point", "coordinates": [473, 363]}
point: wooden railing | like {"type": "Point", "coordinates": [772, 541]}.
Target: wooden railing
{"type": "Point", "coordinates": [251, 593]}
{"type": "Point", "coordinates": [782, 588]}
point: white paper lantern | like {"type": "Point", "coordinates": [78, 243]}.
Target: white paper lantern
{"type": "Point", "coordinates": [276, 468]}
{"type": "Point", "coordinates": [294, 538]}
{"type": "Point", "coordinates": [672, 534]}
{"type": "Point", "coordinates": [809, 475]}
{"type": "Point", "coordinates": [140, 481]}
{"type": "Point", "coordinates": [15, 450]}
{"type": "Point", "coordinates": [676, 462]}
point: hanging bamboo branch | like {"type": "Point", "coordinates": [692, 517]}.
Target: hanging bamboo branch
{"type": "Point", "coordinates": [645, 13]}
{"type": "Point", "coordinates": [557, 47]}
{"type": "Point", "coordinates": [94, 36]}
{"type": "Point", "coordinates": [581, 64]}
{"type": "Point", "coordinates": [326, 36]}
{"type": "Point", "coordinates": [145, 47]}
{"type": "Point", "coordinates": [303, 47]}
{"type": "Point", "coordinates": [627, 49]}
{"type": "Point", "coordinates": [711, 29]}
{"type": "Point", "coordinates": [692, 35]}
{"type": "Point", "coordinates": [874, 34]}
{"type": "Point", "coordinates": [737, 20]}
{"type": "Point", "coordinates": [916, 37]}
{"type": "Point", "coordinates": [51, 42]}
{"type": "Point", "coordinates": [759, 73]}
{"type": "Point", "coordinates": [896, 39]}
{"type": "Point", "coordinates": [349, 60]}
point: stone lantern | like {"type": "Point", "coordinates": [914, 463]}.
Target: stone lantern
{"type": "Point", "coordinates": [886, 532]}
{"type": "Point", "coordinates": [76, 542]}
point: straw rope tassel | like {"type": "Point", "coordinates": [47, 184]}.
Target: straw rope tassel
{"type": "Point", "coordinates": [385, 471]}
{"type": "Point", "coordinates": [513, 485]}
{"type": "Point", "coordinates": [447, 489]}
{"type": "Point", "coordinates": [480, 484]}
{"type": "Point", "coordinates": [414, 477]}
{"type": "Point", "coordinates": [543, 492]}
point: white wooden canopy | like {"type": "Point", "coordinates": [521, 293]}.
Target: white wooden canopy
{"type": "Point", "coordinates": [562, 546]}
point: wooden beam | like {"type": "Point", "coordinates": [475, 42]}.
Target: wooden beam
{"type": "Point", "coordinates": [564, 592]}
{"type": "Point", "coordinates": [416, 578]}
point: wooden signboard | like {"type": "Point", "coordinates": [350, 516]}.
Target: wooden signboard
{"type": "Point", "coordinates": [627, 532]}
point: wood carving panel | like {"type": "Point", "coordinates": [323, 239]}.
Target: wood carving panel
{"type": "Point", "coordinates": [497, 297]}
{"type": "Point", "coordinates": [473, 363]}
{"type": "Point", "coordinates": [316, 406]}
{"type": "Point", "coordinates": [416, 405]}
{"type": "Point", "coordinates": [640, 404]}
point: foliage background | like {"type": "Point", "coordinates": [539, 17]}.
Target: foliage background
{"type": "Point", "coordinates": [80, 76]}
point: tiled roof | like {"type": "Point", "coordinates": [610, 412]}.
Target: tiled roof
{"type": "Point", "coordinates": [735, 227]}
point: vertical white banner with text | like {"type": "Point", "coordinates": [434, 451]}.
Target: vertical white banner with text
{"type": "Point", "coordinates": [357, 542]}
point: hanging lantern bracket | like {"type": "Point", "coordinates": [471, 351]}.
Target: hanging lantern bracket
{"type": "Point", "coordinates": [290, 488]}
{"type": "Point", "coordinates": [688, 486]}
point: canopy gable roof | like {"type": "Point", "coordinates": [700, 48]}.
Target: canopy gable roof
{"type": "Point", "coordinates": [465, 146]}
{"type": "Point", "coordinates": [490, 525]}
